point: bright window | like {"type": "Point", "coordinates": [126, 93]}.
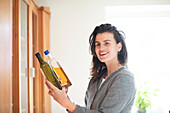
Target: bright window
{"type": "Point", "coordinates": [147, 30]}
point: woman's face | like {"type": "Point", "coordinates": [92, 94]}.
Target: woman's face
{"type": "Point", "coordinates": [106, 47]}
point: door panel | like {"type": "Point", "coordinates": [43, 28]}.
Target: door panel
{"type": "Point", "coordinates": [23, 59]}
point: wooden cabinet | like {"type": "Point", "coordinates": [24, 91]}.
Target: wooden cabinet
{"type": "Point", "coordinates": [30, 35]}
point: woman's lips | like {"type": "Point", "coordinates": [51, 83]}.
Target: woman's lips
{"type": "Point", "coordinates": [103, 53]}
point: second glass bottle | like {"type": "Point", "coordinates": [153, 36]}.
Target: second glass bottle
{"type": "Point", "coordinates": [58, 69]}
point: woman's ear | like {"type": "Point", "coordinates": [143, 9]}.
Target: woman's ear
{"type": "Point", "coordinates": [119, 46]}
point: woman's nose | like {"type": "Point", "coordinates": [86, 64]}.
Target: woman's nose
{"type": "Point", "coordinates": [101, 47]}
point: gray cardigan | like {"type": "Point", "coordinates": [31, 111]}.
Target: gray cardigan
{"type": "Point", "coordinates": [116, 94]}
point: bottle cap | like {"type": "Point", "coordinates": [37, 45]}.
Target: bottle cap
{"type": "Point", "coordinates": [37, 54]}
{"type": "Point", "coordinates": [46, 52]}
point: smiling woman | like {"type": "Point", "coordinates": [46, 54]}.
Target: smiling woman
{"type": "Point", "coordinates": [112, 87]}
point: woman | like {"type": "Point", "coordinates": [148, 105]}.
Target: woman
{"type": "Point", "coordinates": [112, 87]}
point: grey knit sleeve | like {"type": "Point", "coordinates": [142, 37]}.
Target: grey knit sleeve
{"type": "Point", "coordinates": [80, 109]}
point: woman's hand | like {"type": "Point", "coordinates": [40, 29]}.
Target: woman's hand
{"type": "Point", "coordinates": [63, 84]}
{"type": "Point", "coordinates": [60, 96]}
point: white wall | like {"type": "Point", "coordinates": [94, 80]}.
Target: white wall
{"type": "Point", "coordinates": [71, 24]}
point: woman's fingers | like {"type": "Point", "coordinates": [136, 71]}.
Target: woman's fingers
{"type": "Point", "coordinates": [59, 79]}
{"type": "Point", "coordinates": [49, 85]}
{"type": "Point", "coordinates": [63, 84]}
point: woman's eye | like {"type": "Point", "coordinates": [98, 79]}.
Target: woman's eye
{"type": "Point", "coordinates": [97, 44]}
{"type": "Point", "coordinates": [107, 43]}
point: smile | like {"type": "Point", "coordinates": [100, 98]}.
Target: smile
{"type": "Point", "coordinates": [103, 53]}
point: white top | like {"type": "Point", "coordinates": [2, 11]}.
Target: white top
{"type": "Point", "coordinates": [102, 82]}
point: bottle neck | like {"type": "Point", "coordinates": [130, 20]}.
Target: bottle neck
{"type": "Point", "coordinates": [53, 61]}
{"type": "Point", "coordinates": [49, 57]}
{"type": "Point", "coordinates": [40, 59]}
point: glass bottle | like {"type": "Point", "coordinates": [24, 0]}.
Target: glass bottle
{"type": "Point", "coordinates": [48, 71]}
{"type": "Point", "coordinates": [58, 69]}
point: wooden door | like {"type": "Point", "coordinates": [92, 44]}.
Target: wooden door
{"type": "Point", "coordinates": [31, 95]}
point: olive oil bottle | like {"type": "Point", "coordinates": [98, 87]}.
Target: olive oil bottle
{"type": "Point", "coordinates": [58, 69]}
{"type": "Point", "coordinates": [48, 71]}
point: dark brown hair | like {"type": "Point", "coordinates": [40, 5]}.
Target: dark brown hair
{"type": "Point", "coordinates": [99, 68]}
